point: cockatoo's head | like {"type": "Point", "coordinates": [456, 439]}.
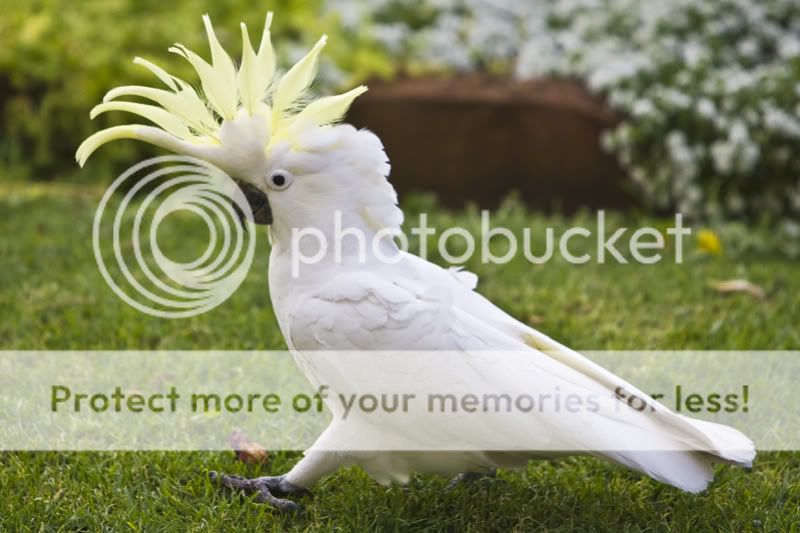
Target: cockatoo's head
{"type": "Point", "coordinates": [262, 130]}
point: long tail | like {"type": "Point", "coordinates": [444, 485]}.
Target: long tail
{"type": "Point", "coordinates": [690, 470]}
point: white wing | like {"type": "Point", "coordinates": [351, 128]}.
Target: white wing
{"type": "Point", "coordinates": [366, 312]}
{"type": "Point", "coordinates": [424, 307]}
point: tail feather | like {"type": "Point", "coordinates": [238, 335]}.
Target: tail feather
{"type": "Point", "coordinates": [686, 468]}
{"type": "Point", "coordinates": [731, 445]}
{"type": "Point", "coordinates": [689, 471]}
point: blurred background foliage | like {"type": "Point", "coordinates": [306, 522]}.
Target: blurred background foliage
{"type": "Point", "coordinates": [709, 91]}
{"type": "Point", "coordinates": [58, 58]}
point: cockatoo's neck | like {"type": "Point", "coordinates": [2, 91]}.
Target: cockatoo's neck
{"type": "Point", "coordinates": [346, 238]}
{"type": "Point", "coordinates": [340, 216]}
{"type": "Point", "coordinates": [342, 232]}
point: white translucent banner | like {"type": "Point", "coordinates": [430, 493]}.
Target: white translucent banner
{"type": "Point", "coordinates": [190, 400]}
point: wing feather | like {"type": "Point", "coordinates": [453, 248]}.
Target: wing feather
{"type": "Point", "coordinates": [437, 311]}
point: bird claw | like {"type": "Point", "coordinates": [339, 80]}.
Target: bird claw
{"type": "Point", "coordinates": [268, 489]}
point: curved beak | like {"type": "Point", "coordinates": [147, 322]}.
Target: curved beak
{"type": "Point", "coordinates": [259, 205]}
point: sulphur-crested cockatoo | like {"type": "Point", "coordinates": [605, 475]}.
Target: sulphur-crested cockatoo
{"type": "Point", "coordinates": [265, 131]}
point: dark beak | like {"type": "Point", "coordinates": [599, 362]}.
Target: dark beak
{"type": "Point", "coordinates": [259, 205]}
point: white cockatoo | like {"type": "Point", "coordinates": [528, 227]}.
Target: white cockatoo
{"type": "Point", "coordinates": [300, 166]}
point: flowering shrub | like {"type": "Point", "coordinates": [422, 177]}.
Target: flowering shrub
{"type": "Point", "coordinates": [710, 91]}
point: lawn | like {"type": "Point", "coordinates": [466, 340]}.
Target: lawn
{"type": "Point", "coordinates": [53, 297]}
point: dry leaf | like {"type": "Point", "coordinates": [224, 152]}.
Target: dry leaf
{"type": "Point", "coordinates": [739, 285]}
{"type": "Point", "coordinates": [246, 450]}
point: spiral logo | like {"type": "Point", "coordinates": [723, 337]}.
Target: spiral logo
{"type": "Point", "coordinates": [179, 192]}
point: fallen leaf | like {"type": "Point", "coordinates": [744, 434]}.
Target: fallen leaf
{"type": "Point", "coordinates": [739, 285]}
{"type": "Point", "coordinates": [246, 450]}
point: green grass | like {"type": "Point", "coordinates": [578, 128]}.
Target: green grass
{"type": "Point", "coordinates": [52, 297]}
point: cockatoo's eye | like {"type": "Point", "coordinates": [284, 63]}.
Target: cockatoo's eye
{"type": "Point", "coordinates": [279, 180]}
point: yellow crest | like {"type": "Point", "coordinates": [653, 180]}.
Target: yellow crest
{"type": "Point", "coordinates": [191, 123]}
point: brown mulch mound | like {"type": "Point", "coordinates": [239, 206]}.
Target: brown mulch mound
{"type": "Point", "coordinates": [477, 138]}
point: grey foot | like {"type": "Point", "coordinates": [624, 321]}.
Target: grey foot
{"type": "Point", "coordinates": [466, 478]}
{"type": "Point", "coordinates": [268, 489]}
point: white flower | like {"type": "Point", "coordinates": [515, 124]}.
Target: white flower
{"type": "Point", "coordinates": [736, 80]}
{"type": "Point", "coordinates": [724, 154]}
{"type": "Point", "coordinates": [706, 108]}
{"type": "Point", "coordinates": [675, 98]}
{"type": "Point", "coordinates": [694, 53]}
{"type": "Point", "coordinates": [537, 56]}
{"type": "Point", "coordinates": [683, 158]}
{"type": "Point", "coordinates": [617, 69]}
{"type": "Point", "coordinates": [781, 122]}
{"type": "Point", "coordinates": [748, 48]}
{"type": "Point", "coordinates": [622, 99]}
{"type": "Point", "coordinates": [643, 107]}
{"type": "Point", "coordinates": [392, 36]}
{"type": "Point", "coordinates": [789, 47]}
{"type": "Point", "coordinates": [350, 13]}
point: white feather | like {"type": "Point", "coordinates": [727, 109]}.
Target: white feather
{"type": "Point", "coordinates": [330, 108]}
{"type": "Point", "coordinates": [163, 118]}
{"type": "Point", "coordinates": [168, 79]}
{"type": "Point", "coordinates": [256, 71]}
{"type": "Point", "coordinates": [185, 104]}
{"type": "Point", "coordinates": [294, 83]}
